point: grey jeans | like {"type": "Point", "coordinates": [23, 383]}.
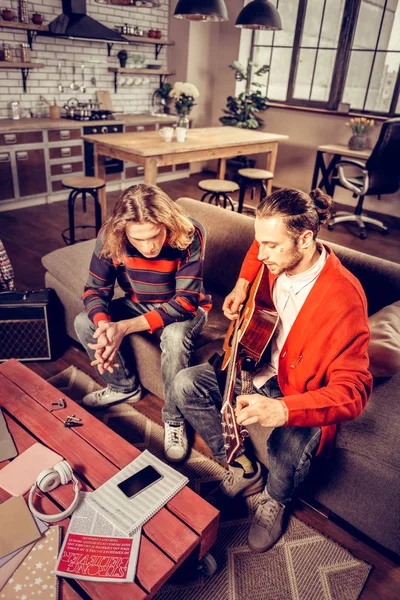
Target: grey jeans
{"type": "Point", "coordinates": [290, 449]}
{"type": "Point", "coordinates": [176, 342]}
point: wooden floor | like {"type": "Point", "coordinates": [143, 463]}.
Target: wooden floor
{"type": "Point", "coordinates": [30, 233]}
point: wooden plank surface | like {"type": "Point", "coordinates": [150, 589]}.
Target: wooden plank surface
{"type": "Point", "coordinates": [178, 531]}
{"type": "Point", "coordinates": [150, 143]}
{"type": "Point", "coordinates": [344, 151]}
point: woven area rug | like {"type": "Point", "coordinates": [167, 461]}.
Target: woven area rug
{"type": "Point", "coordinates": [303, 565]}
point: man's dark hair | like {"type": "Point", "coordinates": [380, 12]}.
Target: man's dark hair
{"type": "Point", "coordinates": [300, 211]}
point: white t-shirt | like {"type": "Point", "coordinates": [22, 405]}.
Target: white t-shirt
{"type": "Point", "coordinates": [289, 294]}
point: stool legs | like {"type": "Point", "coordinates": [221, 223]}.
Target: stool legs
{"type": "Point", "coordinates": [97, 210]}
{"type": "Point", "coordinates": [243, 186]}
{"type": "Point", "coordinates": [242, 193]}
{"type": "Point", "coordinates": [70, 239]}
{"type": "Point", "coordinates": [71, 216]}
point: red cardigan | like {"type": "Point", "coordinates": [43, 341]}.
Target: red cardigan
{"type": "Point", "coordinates": [323, 365]}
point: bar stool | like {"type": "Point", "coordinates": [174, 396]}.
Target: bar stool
{"type": "Point", "coordinates": [218, 190]}
{"type": "Point", "coordinates": [81, 185]}
{"type": "Point", "coordinates": [253, 177]}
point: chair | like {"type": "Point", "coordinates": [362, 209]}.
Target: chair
{"type": "Point", "coordinates": [253, 177]}
{"type": "Point", "coordinates": [380, 175]}
{"type": "Point", "coordinates": [218, 190]}
{"type": "Point", "coordinates": [83, 186]}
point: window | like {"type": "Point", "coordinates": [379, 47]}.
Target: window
{"type": "Point", "coordinates": [333, 51]}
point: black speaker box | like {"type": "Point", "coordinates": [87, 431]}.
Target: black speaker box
{"type": "Point", "coordinates": [27, 325]}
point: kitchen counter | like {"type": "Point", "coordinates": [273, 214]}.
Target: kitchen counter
{"type": "Point", "coordinates": [45, 123]}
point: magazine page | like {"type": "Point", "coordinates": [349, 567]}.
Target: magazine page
{"type": "Point", "coordinates": [130, 512]}
{"type": "Point", "coordinates": [95, 550]}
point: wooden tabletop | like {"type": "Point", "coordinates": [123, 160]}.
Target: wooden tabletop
{"type": "Point", "coordinates": [151, 143]}
{"type": "Point", "coordinates": [344, 151]}
{"type": "Point", "coordinates": [186, 524]}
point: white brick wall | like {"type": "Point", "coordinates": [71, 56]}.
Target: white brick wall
{"type": "Point", "coordinates": [51, 51]}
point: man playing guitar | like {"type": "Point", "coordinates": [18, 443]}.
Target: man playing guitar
{"type": "Point", "coordinates": [315, 374]}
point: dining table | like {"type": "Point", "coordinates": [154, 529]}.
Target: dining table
{"type": "Point", "coordinates": [151, 151]}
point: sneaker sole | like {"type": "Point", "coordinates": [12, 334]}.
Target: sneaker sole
{"type": "Point", "coordinates": [258, 550]}
{"type": "Point", "coordinates": [175, 461]}
{"type": "Point", "coordinates": [100, 406]}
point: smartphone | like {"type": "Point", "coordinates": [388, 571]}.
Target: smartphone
{"type": "Point", "coordinates": [140, 481]}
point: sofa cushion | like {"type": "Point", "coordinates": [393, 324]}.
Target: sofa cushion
{"type": "Point", "coordinates": [384, 346]}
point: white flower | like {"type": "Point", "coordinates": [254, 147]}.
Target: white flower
{"type": "Point", "coordinates": [181, 87]}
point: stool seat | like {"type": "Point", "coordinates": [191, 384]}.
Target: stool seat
{"type": "Point", "coordinates": [218, 185]}
{"type": "Point", "coordinates": [256, 173]}
{"type": "Point", "coordinates": [83, 183]}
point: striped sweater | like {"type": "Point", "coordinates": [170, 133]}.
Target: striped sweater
{"type": "Point", "coordinates": [174, 277]}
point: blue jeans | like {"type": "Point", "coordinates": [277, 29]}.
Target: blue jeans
{"type": "Point", "coordinates": [176, 342]}
{"type": "Point", "coordinates": [290, 449]}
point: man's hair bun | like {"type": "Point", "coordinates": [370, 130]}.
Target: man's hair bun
{"type": "Point", "coordinates": [323, 204]}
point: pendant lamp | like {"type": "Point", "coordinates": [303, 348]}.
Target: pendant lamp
{"type": "Point", "coordinates": [259, 14]}
{"type": "Point", "coordinates": [201, 10]}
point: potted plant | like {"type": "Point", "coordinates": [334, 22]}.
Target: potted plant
{"type": "Point", "coordinates": [242, 109]}
{"type": "Point", "coordinates": [162, 93]}
{"type": "Point", "coordinates": [122, 57]}
{"type": "Point", "coordinates": [359, 126]}
{"type": "Point", "coordinates": [184, 94]}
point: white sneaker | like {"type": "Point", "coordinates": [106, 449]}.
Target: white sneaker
{"type": "Point", "coordinates": [175, 441]}
{"type": "Point", "coordinates": [107, 396]}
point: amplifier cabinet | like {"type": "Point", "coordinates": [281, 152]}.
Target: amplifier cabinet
{"type": "Point", "coordinates": [24, 325]}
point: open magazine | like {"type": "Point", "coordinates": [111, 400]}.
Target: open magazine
{"type": "Point", "coordinates": [95, 550]}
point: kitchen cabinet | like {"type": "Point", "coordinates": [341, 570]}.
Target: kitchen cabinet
{"type": "Point", "coordinates": [21, 137]}
{"type": "Point", "coordinates": [31, 172]}
{"type": "Point", "coordinates": [6, 177]}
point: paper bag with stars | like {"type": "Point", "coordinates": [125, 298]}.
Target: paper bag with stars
{"type": "Point", "coordinates": [34, 579]}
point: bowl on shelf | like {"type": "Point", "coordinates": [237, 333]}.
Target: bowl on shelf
{"type": "Point", "coordinates": [154, 64]}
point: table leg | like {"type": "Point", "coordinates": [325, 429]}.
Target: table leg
{"type": "Point", "coordinates": [100, 171]}
{"type": "Point", "coordinates": [318, 159]}
{"type": "Point", "coordinates": [150, 172]}
{"type": "Point", "coordinates": [271, 162]}
{"type": "Point", "coordinates": [221, 168]}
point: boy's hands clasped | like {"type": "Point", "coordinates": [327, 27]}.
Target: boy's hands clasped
{"type": "Point", "coordinates": [108, 338]}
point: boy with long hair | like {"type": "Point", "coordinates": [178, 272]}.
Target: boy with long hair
{"type": "Point", "coordinates": [155, 253]}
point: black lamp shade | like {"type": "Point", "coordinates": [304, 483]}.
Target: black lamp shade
{"type": "Point", "coordinates": [201, 10]}
{"type": "Point", "coordinates": [259, 14]}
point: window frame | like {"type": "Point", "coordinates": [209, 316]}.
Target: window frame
{"type": "Point", "coordinates": [348, 27]}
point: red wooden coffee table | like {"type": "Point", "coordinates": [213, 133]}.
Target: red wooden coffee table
{"type": "Point", "coordinates": [186, 525]}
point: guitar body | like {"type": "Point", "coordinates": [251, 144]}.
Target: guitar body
{"type": "Point", "coordinates": [245, 342]}
{"type": "Point", "coordinates": [257, 321]}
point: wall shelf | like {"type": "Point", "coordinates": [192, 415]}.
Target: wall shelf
{"type": "Point", "coordinates": [159, 43]}
{"type": "Point", "coordinates": [163, 73]}
{"type": "Point", "coordinates": [24, 66]}
{"type": "Point", "coordinates": [30, 28]}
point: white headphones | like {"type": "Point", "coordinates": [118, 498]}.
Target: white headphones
{"type": "Point", "coordinates": [47, 481]}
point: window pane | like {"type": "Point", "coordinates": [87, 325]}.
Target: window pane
{"type": "Point", "coordinates": [262, 56]}
{"type": "Point", "coordinates": [305, 70]}
{"type": "Point", "coordinates": [332, 23]}
{"type": "Point", "coordinates": [357, 78]}
{"type": "Point", "coordinates": [390, 34]}
{"type": "Point", "coordinates": [382, 84]}
{"type": "Point", "coordinates": [312, 23]}
{"type": "Point", "coordinates": [288, 11]}
{"type": "Point", "coordinates": [323, 75]}
{"type": "Point", "coordinates": [279, 74]}
{"type": "Point", "coordinates": [368, 23]}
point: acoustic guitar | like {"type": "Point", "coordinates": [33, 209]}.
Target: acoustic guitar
{"type": "Point", "coordinates": [246, 340]}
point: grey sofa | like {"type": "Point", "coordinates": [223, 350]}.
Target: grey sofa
{"type": "Point", "coordinates": [361, 482]}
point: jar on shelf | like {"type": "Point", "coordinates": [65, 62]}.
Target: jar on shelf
{"type": "Point", "coordinates": [7, 52]}
{"type": "Point", "coordinates": [23, 16]}
{"type": "Point", "coordinates": [25, 53]}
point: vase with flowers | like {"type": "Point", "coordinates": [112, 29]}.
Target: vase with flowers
{"type": "Point", "coordinates": [359, 126]}
{"type": "Point", "coordinates": [184, 95]}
